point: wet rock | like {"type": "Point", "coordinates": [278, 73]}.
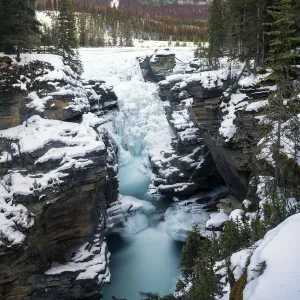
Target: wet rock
{"type": "Point", "coordinates": [127, 216]}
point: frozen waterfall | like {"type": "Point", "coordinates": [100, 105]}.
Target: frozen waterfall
{"type": "Point", "coordinates": [145, 260]}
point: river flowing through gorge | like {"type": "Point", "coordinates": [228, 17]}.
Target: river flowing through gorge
{"type": "Point", "coordinates": [145, 257]}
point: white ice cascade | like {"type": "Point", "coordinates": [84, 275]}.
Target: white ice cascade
{"type": "Point", "coordinates": [141, 123]}
{"type": "Point", "coordinates": [139, 127]}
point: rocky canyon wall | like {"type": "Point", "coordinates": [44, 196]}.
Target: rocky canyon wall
{"type": "Point", "coordinates": [205, 113]}
{"type": "Point", "coordinates": [58, 174]}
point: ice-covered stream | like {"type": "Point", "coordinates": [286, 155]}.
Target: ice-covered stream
{"type": "Point", "coordinates": [148, 260]}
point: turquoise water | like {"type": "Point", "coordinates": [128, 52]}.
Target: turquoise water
{"type": "Point", "coordinates": [132, 181]}
{"type": "Point", "coordinates": [147, 261]}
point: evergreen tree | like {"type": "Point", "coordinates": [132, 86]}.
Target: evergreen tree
{"type": "Point", "coordinates": [128, 37]}
{"type": "Point", "coordinates": [190, 253]}
{"type": "Point", "coordinates": [216, 31]}
{"type": "Point", "coordinates": [283, 183]}
{"type": "Point", "coordinates": [66, 38]}
{"type": "Point", "coordinates": [283, 36]}
{"type": "Point", "coordinates": [46, 38]}
{"type": "Point", "coordinates": [17, 25]}
{"type": "Point", "coordinates": [206, 285]}
{"type": "Point", "coordinates": [83, 39]}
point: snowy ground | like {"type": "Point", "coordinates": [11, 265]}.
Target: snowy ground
{"type": "Point", "coordinates": [278, 252]}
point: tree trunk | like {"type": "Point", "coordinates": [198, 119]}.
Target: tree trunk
{"type": "Point", "coordinates": [18, 53]}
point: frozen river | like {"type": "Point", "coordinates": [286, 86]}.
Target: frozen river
{"type": "Point", "coordinates": [147, 261]}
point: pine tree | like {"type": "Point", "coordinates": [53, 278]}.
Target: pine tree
{"type": "Point", "coordinates": [190, 252]}
{"type": "Point", "coordinates": [46, 38]}
{"type": "Point", "coordinates": [17, 25]}
{"type": "Point", "coordinates": [128, 37]}
{"type": "Point", "coordinates": [216, 35]}
{"type": "Point", "coordinates": [283, 36]}
{"type": "Point", "coordinates": [66, 39]}
{"type": "Point", "coordinates": [83, 40]}
{"type": "Point", "coordinates": [206, 285]}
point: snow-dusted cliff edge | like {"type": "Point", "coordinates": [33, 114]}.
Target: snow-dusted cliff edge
{"type": "Point", "coordinates": [57, 178]}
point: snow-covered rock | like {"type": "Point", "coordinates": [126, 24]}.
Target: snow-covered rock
{"type": "Point", "coordinates": [41, 84]}
{"type": "Point", "coordinates": [128, 215]}
{"type": "Point", "coordinates": [57, 175]}
{"type": "Point", "coordinates": [181, 217]}
{"type": "Point", "coordinates": [279, 251]}
{"type": "Point", "coordinates": [185, 168]}
{"type": "Point", "coordinates": [217, 220]}
{"type": "Point", "coordinates": [162, 63]}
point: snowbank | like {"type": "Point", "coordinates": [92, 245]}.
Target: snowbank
{"type": "Point", "coordinates": [89, 261]}
{"type": "Point", "coordinates": [217, 220]}
{"type": "Point", "coordinates": [280, 251]}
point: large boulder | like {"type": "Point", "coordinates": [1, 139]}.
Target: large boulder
{"type": "Point", "coordinates": [162, 63]}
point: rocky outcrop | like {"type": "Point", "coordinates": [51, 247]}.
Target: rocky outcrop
{"type": "Point", "coordinates": [188, 167]}
{"type": "Point", "coordinates": [227, 125]}
{"type": "Point", "coordinates": [229, 128]}
{"type": "Point", "coordinates": [57, 178]}
{"type": "Point", "coordinates": [37, 88]}
{"type": "Point", "coordinates": [230, 160]}
{"type": "Point", "coordinates": [145, 66]}
{"type": "Point", "coordinates": [157, 66]}
{"type": "Point", "coordinates": [101, 97]}
{"type": "Point", "coordinates": [204, 85]}
{"type": "Point", "coordinates": [64, 191]}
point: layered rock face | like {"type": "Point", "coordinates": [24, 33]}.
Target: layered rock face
{"type": "Point", "coordinates": [38, 88]}
{"type": "Point", "coordinates": [217, 130]}
{"type": "Point", "coordinates": [188, 167]}
{"type": "Point", "coordinates": [230, 158]}
{"type": "Point", "coordinates": [101, 97]}
{"type": "Point", "coordinates": [229, 126]}
{"type": "Point", "coordinates": [57, 178]}
{"type": "Point", "coordinates": [157, 66]}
